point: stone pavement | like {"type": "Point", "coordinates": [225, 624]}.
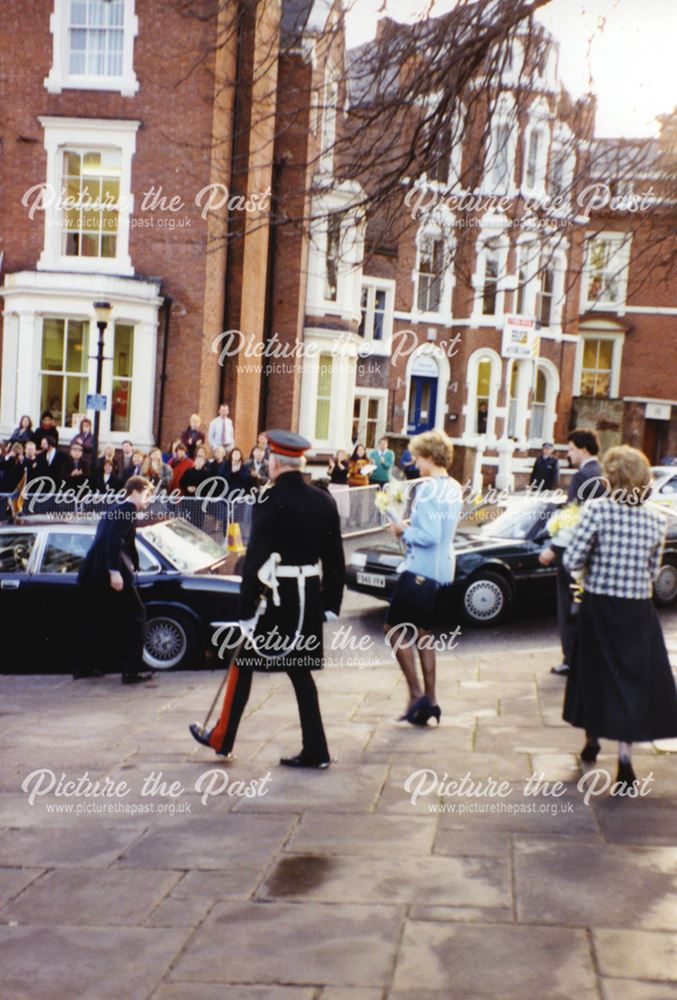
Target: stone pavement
{"type": "Point", "coordinates": [336, 885]}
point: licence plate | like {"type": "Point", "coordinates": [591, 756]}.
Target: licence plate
{"type": "Point", "coordinates": [371, 579]}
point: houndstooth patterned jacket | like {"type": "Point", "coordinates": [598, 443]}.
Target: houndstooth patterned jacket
{"type": "Point", "coordinates": [620, 547]}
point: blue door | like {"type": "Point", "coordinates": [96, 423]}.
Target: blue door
{"type": "Point", "coordinates": [422, 404]}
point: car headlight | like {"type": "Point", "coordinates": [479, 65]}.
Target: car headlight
{"type": "Point", "coordinates": [358, 559]}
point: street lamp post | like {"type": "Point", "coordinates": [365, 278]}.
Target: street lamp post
{"type": "Point", "coordinates": [103, 312]}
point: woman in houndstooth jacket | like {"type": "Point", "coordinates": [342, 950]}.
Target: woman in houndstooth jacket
{"type": "Point", "coordinates": [621, 686]}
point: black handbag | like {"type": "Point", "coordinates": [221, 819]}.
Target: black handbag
{"type": "Point", "coordinates": [419, 591]}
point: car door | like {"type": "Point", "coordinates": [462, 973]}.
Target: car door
{"type": "Point", "coordinates": [57, 597]}
{"type": "Point", "coordinates": [18, 548]}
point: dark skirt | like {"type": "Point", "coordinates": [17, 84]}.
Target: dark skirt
{"type": "Point", "coordinates": [620, 685]}
{"type": "Point", "coordinates": [402, 612]}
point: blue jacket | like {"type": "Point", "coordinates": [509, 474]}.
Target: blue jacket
{"type": "Point", "coordinates": [430, 535]}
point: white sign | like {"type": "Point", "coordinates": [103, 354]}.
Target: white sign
{"type": "Point", "coordinates": [520, 339]}
{"type": "Point", "coordinates": [657, 411]}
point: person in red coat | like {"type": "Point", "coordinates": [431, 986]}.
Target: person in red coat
{"type": "Point", "coordinates": [181, 464]}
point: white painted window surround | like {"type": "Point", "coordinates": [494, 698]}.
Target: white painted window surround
{"type": "Point", "coordinates": [470, 409]}
{"type": "Point", "coordinates": [346, 304]}
{"type": "Point", "coordinates": [32, 296]}
{"type": "Point", "coordinates": [60, 78]}
{"type": "Point", "coordinates": [86, 133]}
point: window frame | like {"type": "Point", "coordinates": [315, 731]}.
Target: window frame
{"type": "Point", "coordinates": [60, 77]}
{"type": "Point", "coordinates": [617, 337]}
{"type": "Point", "coordinates": [621, 267]}
{"type": "Point", "coordinates": [443, 312]}
{"type": "Point", "coordinates": [61, 134]}
{"type": "Point", "coordinates": [372, 286]}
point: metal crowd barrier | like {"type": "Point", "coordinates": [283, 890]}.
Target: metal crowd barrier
{"type": "Point", "coordinates": [220, 518]}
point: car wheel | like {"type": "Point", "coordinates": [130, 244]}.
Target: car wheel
{"type": "Point", "coordinates": [170, 642]}
{"type": "Point", "coordinates": [665, 587]}
{"type": "Point", "coordinates": [486, 599]}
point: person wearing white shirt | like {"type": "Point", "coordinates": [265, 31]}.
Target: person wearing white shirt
{"type": "Point", "coordinates": [221, 431]}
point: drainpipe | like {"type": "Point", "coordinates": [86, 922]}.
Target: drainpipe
{"type": "Point", "coordinates": [233, 157]}
{"type": "Point", "coordinates": [166, 310]}
{"type": "Point", "coordinates": [278, 166]}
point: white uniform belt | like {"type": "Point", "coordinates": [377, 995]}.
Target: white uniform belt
{"type": "Point", "coordinates": [298, 571]}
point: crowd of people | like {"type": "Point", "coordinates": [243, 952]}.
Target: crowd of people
{"type": "Point", "coordinates": [196, 455]}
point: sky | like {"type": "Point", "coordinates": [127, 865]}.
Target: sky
{"type": "Point", "coordinates": [623, 50]}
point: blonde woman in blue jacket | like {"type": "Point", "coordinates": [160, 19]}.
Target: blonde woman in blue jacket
{"type": "Point", "coordinates": [428, 541]}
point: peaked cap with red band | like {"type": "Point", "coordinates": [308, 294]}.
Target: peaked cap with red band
{"type": "Point", "coordinates": [286, 443]}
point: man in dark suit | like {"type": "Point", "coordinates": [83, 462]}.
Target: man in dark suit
{"type": "Point", "coordinates": [107, 580]}
{"type": "Point", "coordinates": [50, 461]}
{"type": "Point", "coordinates": [586, 483]}
{"type": "Point", "coordinates": [545, 473]}
{"type": "Point", "coordinates": [295, 561]}
{"type": "Point", "coordinates": [75, 471]}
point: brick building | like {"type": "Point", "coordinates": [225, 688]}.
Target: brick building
{"type": "Point", "coordinates": [428, 313]}
{"type": "Point", "coordinates": [367, 329]}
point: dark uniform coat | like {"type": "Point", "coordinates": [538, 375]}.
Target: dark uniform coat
{"type": "Point", "coordinates": [545, 472]}
{"type": "Point", "coordinates": [301, 523]}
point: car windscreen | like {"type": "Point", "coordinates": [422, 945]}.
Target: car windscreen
{"type": "Point", "coordinates": [185, 546]}
{"type": "Point", "coordinates": [517, 520]}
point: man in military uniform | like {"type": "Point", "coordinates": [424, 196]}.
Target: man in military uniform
{"type": "Point", "coordinates": [292, 581]}
{"type": "Point", "coordinates": [545, 473]}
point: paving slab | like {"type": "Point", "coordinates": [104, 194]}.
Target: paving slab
{"type": "Point", "coordinates": [483, 962]}
{"type": "Point", "coordinates": [78, 847]}
{"type": "Point", "coordinates": [14, 880]}
{"type": "Point", "coordinates": [230, 882]}
{"type": "Point", "coordinates": [334, 879]}
{"type": "Point", "coordinates": [628, 989]}
{"type": "Point", "coordinates": [91, 898]}
{"type": "Point", "coordinates": [51, 963]}
{"type": "Point", "coordinates": [636, 954]}
{"type": "Point", "coordinates": [377, 835]}
{"type": "Point", "coordinates": [203, 843]}
{"type": "Point", "coordinates": [632, 885]}
{"type": "Point", "coordinates": [338, 945]}
{"type": "Point", "coordinates": [204, 991]}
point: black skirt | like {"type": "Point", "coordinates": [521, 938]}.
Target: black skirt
{"type": "Point", "coordinates": [620, 685]}
{"type": "Point", "coordinates": [438, 615]}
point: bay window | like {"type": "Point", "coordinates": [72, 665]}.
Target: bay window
{"type": "Point", "coordinates": [63, 368]}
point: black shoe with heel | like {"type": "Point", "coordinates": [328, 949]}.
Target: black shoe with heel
{"type": "Point", "coordinates": [590, 751]}
{"type": "Point", "coordinates": [625, 777]}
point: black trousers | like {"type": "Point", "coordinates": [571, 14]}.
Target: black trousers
{"type": "Point", "coordinates": [132, 625]}
{"type": "Point", "coordinates": [118, 620]}
{"type": "Point", "coordinates": [567, 624]}
{"type": "Point", "coordinates": [312, 731]}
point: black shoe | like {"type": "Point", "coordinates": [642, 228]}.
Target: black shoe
{"type": "Point", "coordinates": [300, 761]}
{"type": "Point", "coordinates": [590, 751]}
{"type": "Point", "coordinates": [202, 736]}
{"type": "Point", "coordinates": [562, 670]}
{"type": "Point", "coordinates": [418, 712]}
{"type": "Point", "coordinates": [625, 777]}
{"type": "Point", "coordinates": [136, 678]}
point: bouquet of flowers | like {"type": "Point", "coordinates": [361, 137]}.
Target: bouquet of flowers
{"type": "Point", "coordinates": [391, 502]}
{"type": "Point", "coordinates": [561, 529]}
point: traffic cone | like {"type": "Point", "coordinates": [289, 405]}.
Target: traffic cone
{"type": "Point", "coordinates": [234, 539]}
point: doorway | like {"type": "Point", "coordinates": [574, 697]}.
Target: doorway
{"type": "Point", "coordinates": [422, 403]}
{"type": "Point", "coordinates": [654, 443]}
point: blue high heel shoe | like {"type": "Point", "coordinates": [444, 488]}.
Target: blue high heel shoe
{"type": "Point", "coordinates": [418, 713]}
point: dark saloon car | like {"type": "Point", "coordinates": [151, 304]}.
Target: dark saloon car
{"type": "Point", "coordinates": [495, 562]}
{"type": "Point", "coordinates": [186, 581]}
